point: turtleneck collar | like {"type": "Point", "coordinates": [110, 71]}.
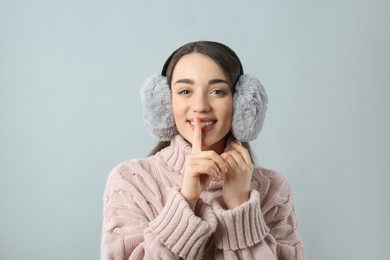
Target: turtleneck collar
{"type": "Point", "coordinates": [175, 154]}
{"type": "Point", "coordinates": [173, 158]}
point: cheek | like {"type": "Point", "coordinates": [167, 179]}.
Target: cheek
{"type": "Point", "coordinates": [177, 107]}
{"type": "Point", "coordinates": [230, 115]}
{"type": "Point", "coordinates": [229, 111]}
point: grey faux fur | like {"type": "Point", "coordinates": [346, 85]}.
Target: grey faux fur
{"type": "Point", "coordinates": [157, 107]}
{"type": "Point", "coordinates": [250, 105]}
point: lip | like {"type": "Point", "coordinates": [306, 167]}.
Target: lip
{"type": "Point", "coordinates": [203, 119]}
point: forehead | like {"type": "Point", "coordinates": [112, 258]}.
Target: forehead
{"type": "Point", "coordinates": [196, 64]}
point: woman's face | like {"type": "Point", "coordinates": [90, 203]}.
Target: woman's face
{"type": "Point", "coordinates": [200, 89]}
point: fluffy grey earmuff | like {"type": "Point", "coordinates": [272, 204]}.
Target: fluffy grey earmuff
{"type": "Point", "coordinates": [249, 107]}
{"type": "Point", "coordinates": [157, 107]}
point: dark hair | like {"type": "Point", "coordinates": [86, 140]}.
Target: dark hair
{"type": "Point", "coordinates": [221, 54]}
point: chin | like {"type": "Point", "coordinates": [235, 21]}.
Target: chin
{"type": "Point", "coordinates": [215, 143]}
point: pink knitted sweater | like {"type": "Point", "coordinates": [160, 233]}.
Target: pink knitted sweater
{"type": "Point", "coordinates": [145, 216]}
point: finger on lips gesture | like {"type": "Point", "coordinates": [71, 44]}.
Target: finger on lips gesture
{"type": "Point", "coordinates": [201, 167]}
{"type": "Point", "coordinates": [197, 141]}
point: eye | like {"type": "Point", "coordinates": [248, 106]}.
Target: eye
{"type": "Point", "coordinates": [218, 92]}
{"type": "Point", "coordinates": [184, 92]}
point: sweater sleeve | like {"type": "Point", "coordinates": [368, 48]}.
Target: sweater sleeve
{"type": "Point", "coordinates": [180, 230]}
{"type": "Point", "coordinates": [256, 231]}
{"type": "Point", "coordinates": [134, 227]}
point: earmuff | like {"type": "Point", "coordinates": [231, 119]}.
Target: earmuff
{"type": "Point", "coordinates": [249, 105]}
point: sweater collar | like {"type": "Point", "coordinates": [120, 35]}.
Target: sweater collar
{"type": "Point", "coordinates": [173, 157]}
{"type": "Point", "coordinates": [175, 154]}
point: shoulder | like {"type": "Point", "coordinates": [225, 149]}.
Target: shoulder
{"type": "Point", "coordinates": [270, 182]}
{"type": "Point", "coordinates": [131, 181]}
{"type": "Point", "coordinates": [130, 167]}
{"type": "Point", "coordinates": [130, 172]}
{"type": "Point", "coordinates": [273, 176]}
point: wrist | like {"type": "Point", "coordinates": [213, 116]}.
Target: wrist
{"type": "Point", "coordinates": [191, 202]}
{"type": "Point", "coordinates": [237, 201]}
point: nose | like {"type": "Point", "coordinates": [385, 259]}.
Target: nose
{"type": "Point", "coordinates": [200, 103]}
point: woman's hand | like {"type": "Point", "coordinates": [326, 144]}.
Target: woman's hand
{"type": "Point", "coordinates": [236, 186]}
{"type": "Point", "coordinates": [201, 167]}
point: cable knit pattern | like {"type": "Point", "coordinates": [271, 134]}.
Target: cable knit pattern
{"type": "Point", "coordinates": [146, 217]}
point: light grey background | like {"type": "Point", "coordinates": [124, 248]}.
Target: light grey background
{"type": "Point", "coordinates": [70, 73]}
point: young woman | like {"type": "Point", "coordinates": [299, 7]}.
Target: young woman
{"type": "Point", "coordinates": [199, 196]}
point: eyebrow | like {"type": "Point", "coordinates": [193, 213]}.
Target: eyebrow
{"type": "Point", "coordinates": [211, 82]}
{"type": "Point", "coordinates": [216, 81]}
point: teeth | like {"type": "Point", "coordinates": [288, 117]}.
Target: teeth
{"type": "Point", "coordinates": [204, 124]}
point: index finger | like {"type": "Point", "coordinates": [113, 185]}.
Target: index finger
{"type": "Point", "coordinates": [197, 138]}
